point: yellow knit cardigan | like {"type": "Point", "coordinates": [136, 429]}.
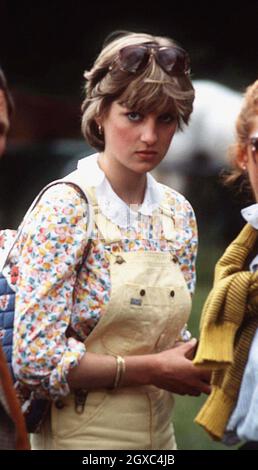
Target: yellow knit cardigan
{"type": "Point", "coordinates": [228, 323]}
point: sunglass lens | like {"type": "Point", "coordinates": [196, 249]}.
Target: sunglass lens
{"type": "Point", "coordinates": [166, 58]}
{"type": "Point", "coordinates": [254, 143]}
{"type": "Point", "coordinates": [133, 58]}
{"type": "Point", "coordinates": [182, 65]}
{"type": "Point", "coordinates": [173, 60]}
{"type": "Point", "coordinates": [254, 147]}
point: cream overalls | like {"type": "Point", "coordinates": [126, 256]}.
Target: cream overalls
{"type": "Point", "coordinates": [148, 307]}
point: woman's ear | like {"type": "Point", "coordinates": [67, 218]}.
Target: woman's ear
{"type": "Point", "coordinates": [98, 122]}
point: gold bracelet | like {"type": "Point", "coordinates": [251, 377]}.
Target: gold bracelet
{"type": "Point", "coordinates": [120, 370]}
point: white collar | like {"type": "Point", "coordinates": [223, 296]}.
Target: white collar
{"type": "Point", "coordinates": [250, 214]}
{"type": "Point", "coordinates": [111, 205]}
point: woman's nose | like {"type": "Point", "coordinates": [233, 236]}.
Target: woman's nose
{"type": "Point", "coordinates": [149, 133]}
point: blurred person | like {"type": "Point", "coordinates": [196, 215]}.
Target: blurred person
{"type": "Point", "coordinates": [97, 334]}
{"type": "Point", "coordinates": [12, 426]}
{"type": "Point", "coordinates": [6, 111]}
{"type": "Point", "coordinates": [229, 335]}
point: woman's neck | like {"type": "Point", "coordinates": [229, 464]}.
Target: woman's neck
{"type": "Point", "coordinates": [128, 185]}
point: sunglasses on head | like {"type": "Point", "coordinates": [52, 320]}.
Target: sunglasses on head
{"type": "Point", "coordinates": [253, 142]}
{"type": "Point", "coordinates": [172, 59]}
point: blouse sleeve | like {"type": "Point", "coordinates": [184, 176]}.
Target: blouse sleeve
{"type": "Point", "coordinates": [187, 241]}
{"type": "Point", "coordinates": [50, 250]}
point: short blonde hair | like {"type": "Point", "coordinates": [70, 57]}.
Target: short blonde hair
{"type": "Point", "coordinates": [244, 122]}
{"type": "Point", "coordinates": [151, 89]}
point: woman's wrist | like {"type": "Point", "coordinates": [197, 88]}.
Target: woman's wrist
{"type": "Point", "coordinates": [139, 370]}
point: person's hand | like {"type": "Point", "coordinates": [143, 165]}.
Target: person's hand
{"type": "Point", "coordinates": [192, 350]}
{"type": "Point", "coordinates": [176, 373]}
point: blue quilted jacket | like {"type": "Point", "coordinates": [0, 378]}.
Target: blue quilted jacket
{"type": "Point", "coordinates": [7, 299]}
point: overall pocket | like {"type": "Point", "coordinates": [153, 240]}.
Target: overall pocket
{"type": "Point", "coordinates": [140, 317]}
{"type": "Point", "coordinates": [66, 422]}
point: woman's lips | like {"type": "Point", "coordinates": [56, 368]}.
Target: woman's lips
{"type": "Point", "coordinates": [146, 154]}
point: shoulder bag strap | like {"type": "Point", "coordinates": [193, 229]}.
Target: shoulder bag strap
{"type": "Point", "coordinates": [73, 180]}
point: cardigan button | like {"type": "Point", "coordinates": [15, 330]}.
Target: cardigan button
{"type": "Point", "coordinates": [142, 292]}
{"type": "Point", "coordinates": [120, 260]}
{"type": "Point", "coordinates": [172, 293]}
{"type": "Point", "coordinates": [175, 259]}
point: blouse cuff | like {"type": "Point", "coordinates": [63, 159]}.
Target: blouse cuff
{"type": "Point", "coordinates": [58, 385]}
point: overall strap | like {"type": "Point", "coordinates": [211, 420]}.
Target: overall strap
{"type": "Point", "coordinates": [109, 231]}
{"type": "Point", "coordinates": [167, 220]}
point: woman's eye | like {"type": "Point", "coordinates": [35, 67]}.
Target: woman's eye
{"type": "Point", "coordinates": [133, 116]}
{"type": "Point", "coordinates": [167, 118]}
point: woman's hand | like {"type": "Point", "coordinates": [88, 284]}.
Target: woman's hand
{"type": "Point", "coordinates": [175, 372]}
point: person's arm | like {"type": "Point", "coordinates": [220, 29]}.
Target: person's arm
{"type": "Point", "coordinates": [171, 370]}
{"type": "Point", "coordinates": [49, 252]}
{"type": "Point", "coordinates": [186, 240]}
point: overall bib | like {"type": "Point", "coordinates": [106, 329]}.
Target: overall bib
{"type": "Point", "coordinates": [149, 305]}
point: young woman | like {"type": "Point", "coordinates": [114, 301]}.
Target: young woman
{"type": "Point", "coordinates": [97, 322]}
{"type": "Point", "coordinates": [243, 423]}
{"type": "Point", "coordinates": [229, 335]}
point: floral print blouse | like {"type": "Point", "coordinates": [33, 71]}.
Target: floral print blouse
{"type": "Point", "coordinates": [56, 287]}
